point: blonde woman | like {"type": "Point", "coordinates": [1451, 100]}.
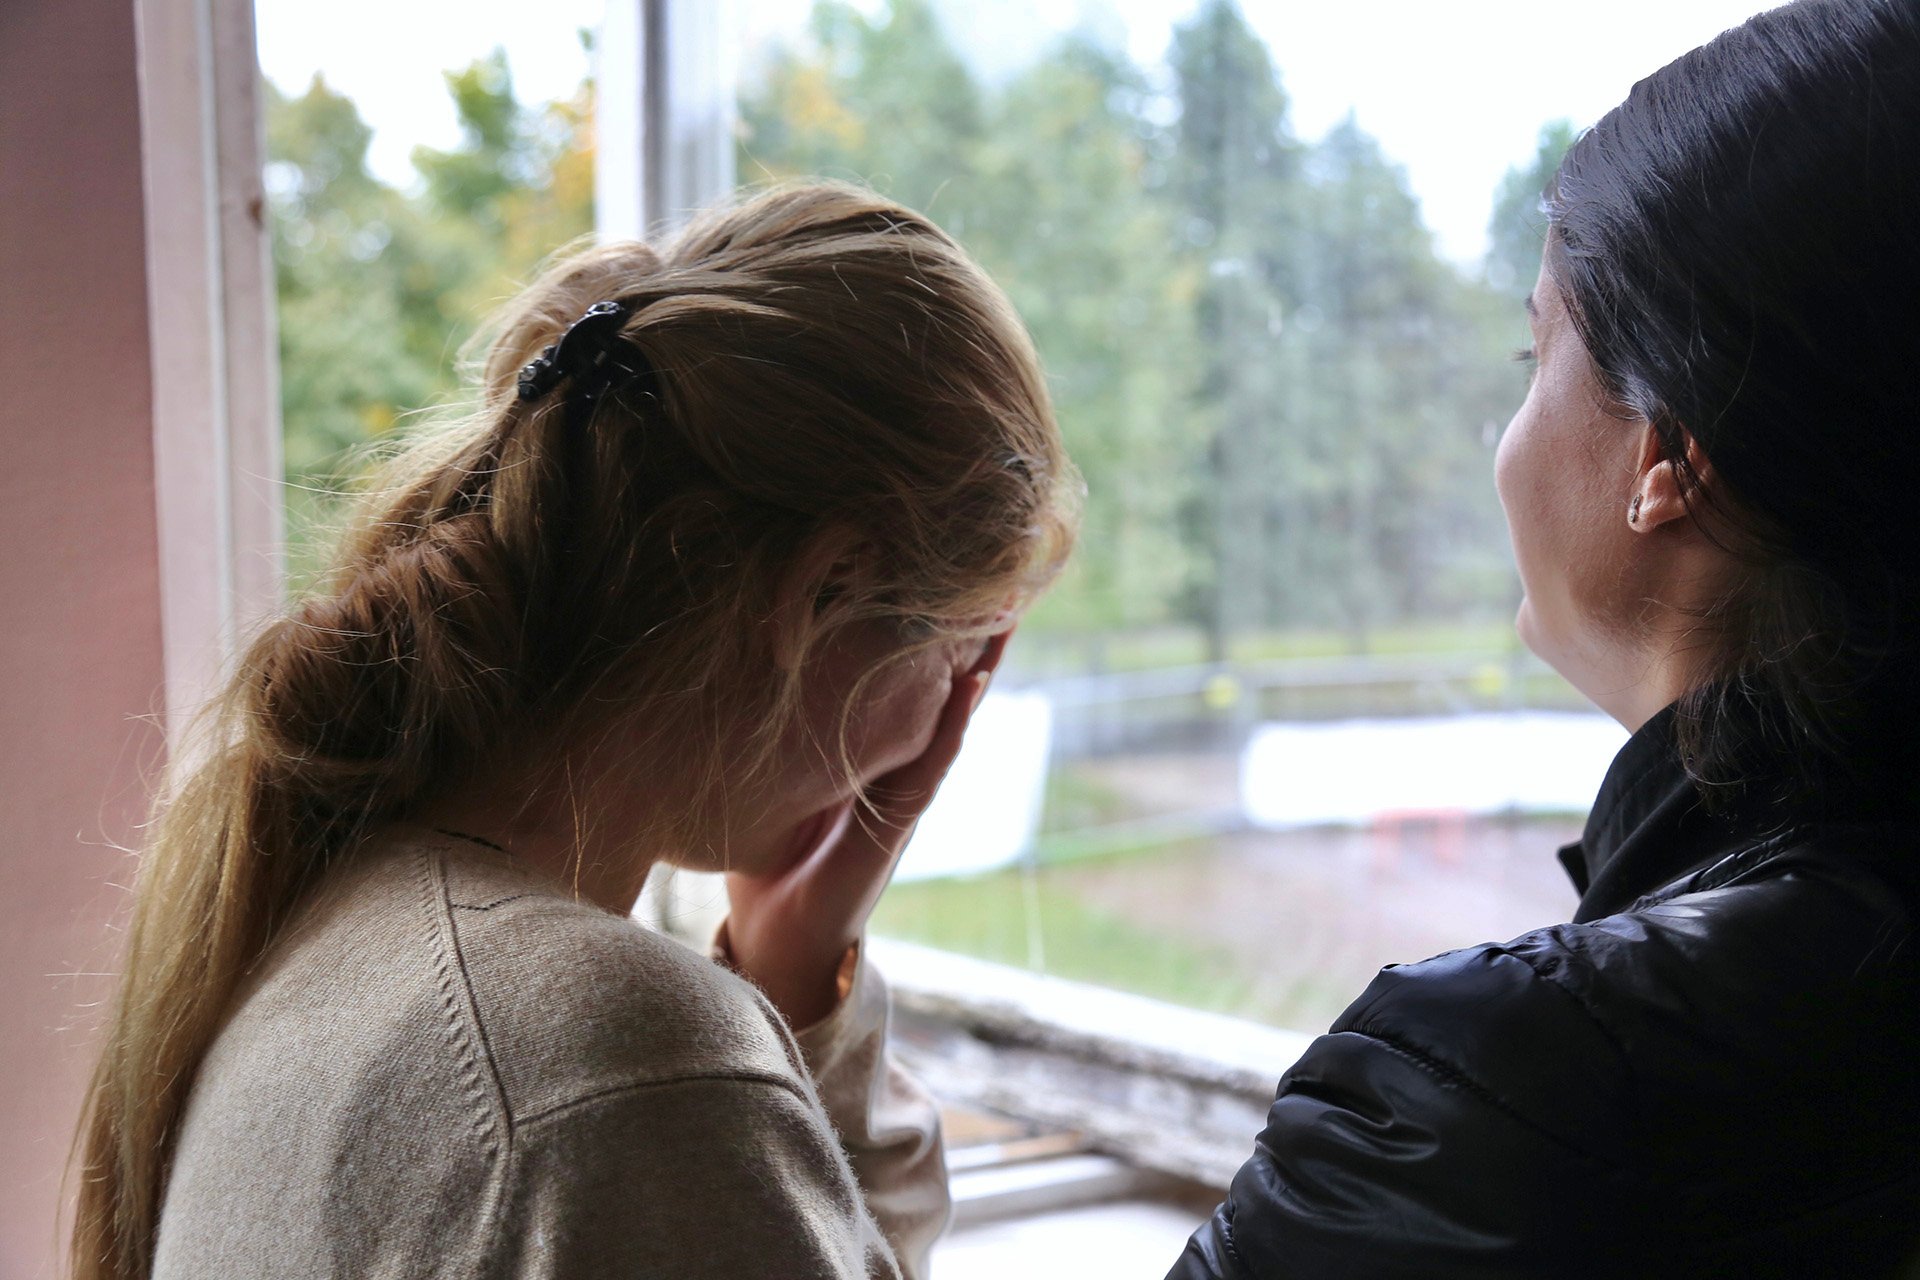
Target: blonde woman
{"type": "Point", "coordinates": [713, 577]}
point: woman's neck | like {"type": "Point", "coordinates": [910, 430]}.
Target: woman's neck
{"type": "Point", "coordinates": [557, 832]}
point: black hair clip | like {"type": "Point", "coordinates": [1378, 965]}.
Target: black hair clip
{"type": "Point", "coordinates": [590, 354]}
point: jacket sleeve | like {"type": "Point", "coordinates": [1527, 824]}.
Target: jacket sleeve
{"type": "Point", "coordinates": [1464, 1118]}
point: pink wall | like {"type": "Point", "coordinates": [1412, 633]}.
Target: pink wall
{"type": "Point", "coordinates": [79, 580]}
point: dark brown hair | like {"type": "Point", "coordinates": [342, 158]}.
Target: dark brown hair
{"type": "Point", "coordinates": [1736, 243]}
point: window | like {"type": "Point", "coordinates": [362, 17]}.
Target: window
{"type": "Point", "coordinates": [1283, 709]}
{"type": "Point", "coordinates": [1272, 729]}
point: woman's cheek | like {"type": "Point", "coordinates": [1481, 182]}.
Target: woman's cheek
{"type": "Point", "coordinates": [1503, 470]}
{"type": "Point", "coordinates": [1530, 512]}
{"type": "Point", "coordinates": [1515, 485]}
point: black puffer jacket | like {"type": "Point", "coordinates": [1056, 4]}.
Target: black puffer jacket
{"type": "Point", "coordinates": [1710, 1071]}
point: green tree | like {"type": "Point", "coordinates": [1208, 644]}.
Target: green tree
{"type": "Point", "coordinates": [497, 154]}
{"type": "Point", "coordinates": [1517, 231]}
{"type": "Point", "coordinates": [877, 98]}
{"type": "Point", "coordinates": [378, 289]}
{"type": "Point", "coordinates": [1280, 396]}
{"type": "Point", "coordinates": [1063, 222]}
{"type": "Point", "coordinates": [1233, 183]}
{"type": "Point", "coordinates": [517, 187]}
{"type": "Point", "coordinates": [1343, 381]}
{"type": "Point", "coordinates": [1042, 179]}
{"type": "Point", "coordinates": [348, 369]}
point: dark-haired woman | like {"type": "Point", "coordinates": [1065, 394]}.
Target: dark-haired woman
{"type": "Point", "coordinates": [1711, 488]}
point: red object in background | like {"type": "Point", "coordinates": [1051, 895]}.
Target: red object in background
{"type": "Point", "coordinates": [1447, 826]}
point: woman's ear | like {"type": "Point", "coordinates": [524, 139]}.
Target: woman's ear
{"type": "Point", "coordinates": [1660, 490]}
{"type": "Point", "coordinates": [824, 568]}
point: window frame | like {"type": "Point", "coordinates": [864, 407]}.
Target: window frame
{"type": "Point", "coordinates": [212, 330]}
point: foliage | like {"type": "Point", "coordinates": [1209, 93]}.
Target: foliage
{"type": "Point", "coordinates": [1517, 231]}
{"type": "Point", "coordinates": [1282, 399]}
{"type": "Point", "coordinates": [379, 288]}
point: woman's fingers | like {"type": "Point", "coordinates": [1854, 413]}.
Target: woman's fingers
{"type": "Point", "coordinates": [851, 872]}
{"type": "Point", "coordinates": [901, 796]}
{"type": "Point", "coordinates": [791, 930]}
{"type": "Point", "coordinates": [898, 798]}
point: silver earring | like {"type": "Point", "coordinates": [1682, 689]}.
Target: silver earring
{"type": "Point", "coordinates": [1633, 510]}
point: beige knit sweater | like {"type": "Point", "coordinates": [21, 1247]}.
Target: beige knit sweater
{"type": "Point", "coordinates": [450, 1068]}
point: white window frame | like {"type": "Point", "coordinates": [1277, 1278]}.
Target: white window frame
{"type": "Point", "coordinates": [665, 114]}
{"type": "Point", "coordinates": [211, 325]}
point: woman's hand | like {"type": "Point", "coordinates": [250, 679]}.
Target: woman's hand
{"type": "Point", "coordinates": [790, 929]}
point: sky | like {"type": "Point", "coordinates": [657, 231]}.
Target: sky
{"type": "Point", "coordinates": [1455, 90]}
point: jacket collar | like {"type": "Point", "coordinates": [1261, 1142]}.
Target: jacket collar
{"type": "Point", "coordinates": [1646, 829]}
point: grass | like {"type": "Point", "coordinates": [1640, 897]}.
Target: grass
{"type": "Point", "coordinates": [988, 917]}
{"type": "Point", "coordinates": [1075, 800]}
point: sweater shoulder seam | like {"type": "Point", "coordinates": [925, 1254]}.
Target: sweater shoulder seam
{"type": "Point", "coordinates": [625, 1088]}
{"type": "Point", "coordinates": [492, 1122]}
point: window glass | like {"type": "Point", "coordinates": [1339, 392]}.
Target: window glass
{"type": "Point", "coordinates": [1287, 734]}
{"type": "Point", "coordinates": [412, 180]}
{"type": "Point", "coordinates": [1272, 730]}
